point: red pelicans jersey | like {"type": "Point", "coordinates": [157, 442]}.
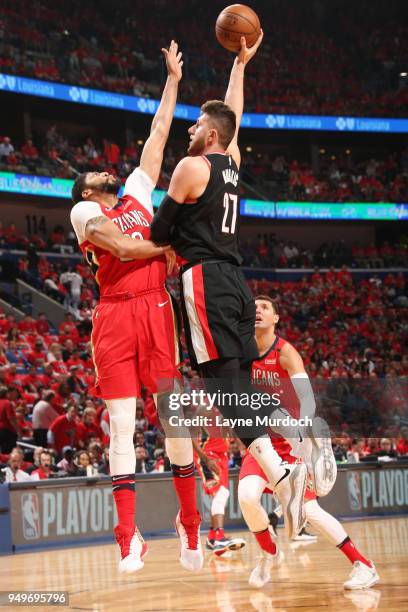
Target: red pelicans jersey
{"type": "Point", "coordinates": [132, 215]}
{"type": "Point", "coordinates": [269, 376]}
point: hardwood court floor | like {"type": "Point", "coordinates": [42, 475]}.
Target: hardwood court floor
{"type": "Point", "coordinates": [310, 578]}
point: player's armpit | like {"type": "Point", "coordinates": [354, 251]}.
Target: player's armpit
{"type": "Point", "coordinates": [102, 232]}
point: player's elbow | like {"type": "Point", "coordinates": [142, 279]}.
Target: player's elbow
{"type": "Point", "coordinates": [159, 135]}
{"type": "Point", "coordinates": [120, 252]}
{"type": "Point", "coordinates": [119, 248]}
{"type": "Point", "coordinates": [160, 129]}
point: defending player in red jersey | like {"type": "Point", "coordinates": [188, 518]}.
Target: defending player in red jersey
{"type": "Point", "coordinates": [211, 459]}
{"type": "Point", "coordinates": [133, 337]}
{"type": "Point", "coordinates": [278, 364]}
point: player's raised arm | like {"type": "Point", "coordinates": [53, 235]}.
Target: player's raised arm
{"type": "Point", "coordinates": [235, 92]}
{"type": "Point", "coordinates": [152, 154]}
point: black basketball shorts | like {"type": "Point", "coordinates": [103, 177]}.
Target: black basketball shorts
{"type": "Point", "coordinates": [218, 312]}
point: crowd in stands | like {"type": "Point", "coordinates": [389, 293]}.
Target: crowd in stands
{"type": "Point", "coordinates": [47, 402]}
{"type": "Point", "coordinates": [351, 335]}
{"type": "Point", "coordinates": [335, 178]}
{"type": "Point", "coordinates": [71, 282]}
{"type": "Point", "coordinates": [268, 251]}
{"type": "Point", "coordinates": [55, 156]}
{"type": "Point", "coordinates": [339, 58]}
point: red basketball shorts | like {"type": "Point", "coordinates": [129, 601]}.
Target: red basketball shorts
{"type": "Point", "coordinates": [134, 342]}
{"type": "Point", "coordinates": [210, 484]}
{"type": "Point", "coordinates": [250, 467]}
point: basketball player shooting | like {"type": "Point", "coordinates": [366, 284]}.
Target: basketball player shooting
{"type": "Point", "coordinates": [133, 325]}
{"type": "Point", "coordinates": [278, 364]}
{"type": "Point", "coordinates": [200, 217]}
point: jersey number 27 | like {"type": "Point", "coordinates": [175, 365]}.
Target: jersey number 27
{"type": "Point", "coordinates": [228, 226]}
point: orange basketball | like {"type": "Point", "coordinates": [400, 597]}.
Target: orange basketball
{"type": "Point", "coordinates": [235, 21]}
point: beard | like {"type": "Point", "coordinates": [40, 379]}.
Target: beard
{"type": "Point", "coordinates": [111, 187]}
{"type": "Point", "coordinates": [196, 147]}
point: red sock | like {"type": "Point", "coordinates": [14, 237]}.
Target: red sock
{"type": "Point", "coordinates": [347, 547]}
{"type": "Point", "coordinates": [219, 533]}
{"type": "Point", "coordinates": [123, 489]}
{"type": "Point", "coordinates": [265, 541]}
{"type": "Point", "coordinates": [185, 486]}
{"type": "Point", "coordinates": [211, 534]}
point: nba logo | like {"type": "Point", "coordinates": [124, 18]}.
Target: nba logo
{"type": "Point", "coordinates": [354, 490]}
{"type": "Point", "coordinates": [31, 516]}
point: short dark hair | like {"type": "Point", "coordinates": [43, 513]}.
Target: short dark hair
{"type": "Point", "coordinates": [224, 118]}
{"type": "Point", "coordinates": [266, 298]}
{"type": "Point", "coordinates": [78, 187]}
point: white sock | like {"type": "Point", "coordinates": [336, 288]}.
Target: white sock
{"type": "Point", "coordinates": [329, 526]}
{"type": "Point", "coordinates": [262, 450]}
{"type": "Point", "coordinates": [122, 414]}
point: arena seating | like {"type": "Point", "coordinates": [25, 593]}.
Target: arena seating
{"type": "Point", "coordinates": [267, 250]}
{"type": "Point", "coordinates": [346, 177]}
{"type": "Point", "coordinates": [304, 65]}
{"type": "Point", "coordinates": [350, 334]}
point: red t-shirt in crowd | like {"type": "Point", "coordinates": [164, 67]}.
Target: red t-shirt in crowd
{"type": "Point", "coordinates": [89, 431]}
{"type": "Point", "coordinates": [7, 413]}
{"type": "Point", "coordinates": [65, 433]}
{"type": "Point", "coordinates": [40, 473]}
{"type": "Point", "coordinates": [402, 446]}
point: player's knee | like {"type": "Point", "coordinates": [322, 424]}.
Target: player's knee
{"type": "Point", "coordinates": [247, 498]}
{"type": "Point", "coordinates": [122, 428]}
{"type": "Point", "coordinates": [122, 424]}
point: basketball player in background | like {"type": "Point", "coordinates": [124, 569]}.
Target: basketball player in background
{"type": "Point", "coordinates": [133, 335]}
{"type": "Point", "coordinates": [211, 458]}
{"type": "Point", "coordinates": [200, 217]}
{"type": "Point", "coordinates": [275, 368]}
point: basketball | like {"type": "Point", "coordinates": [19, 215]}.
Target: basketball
{"type": "Point", "coordinates": [235, 21]}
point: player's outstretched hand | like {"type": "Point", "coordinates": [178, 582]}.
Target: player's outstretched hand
{"type": "Point", "coordinates": [246, 54]}
{"type": "Point", "coordinates": [173, 60]}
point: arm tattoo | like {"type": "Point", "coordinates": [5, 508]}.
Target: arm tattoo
{"type": "Point", "coordinates": [95, 222]}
